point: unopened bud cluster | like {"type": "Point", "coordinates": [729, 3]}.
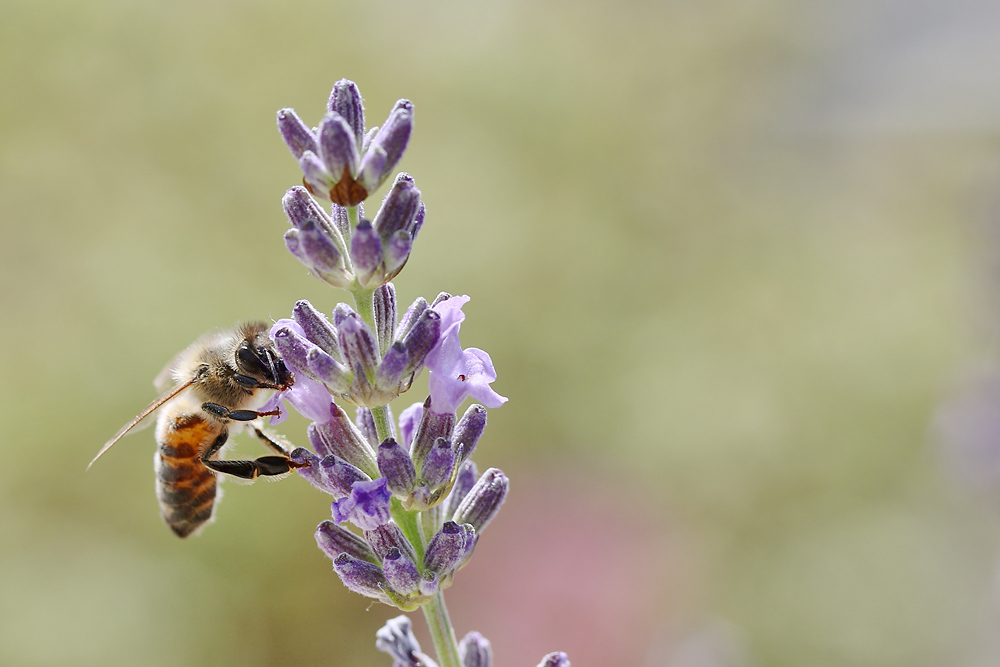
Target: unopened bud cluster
{"type": "Point", "coordinates": [387, 566]}
{"type": "Point", "coordinates": [362, 365]}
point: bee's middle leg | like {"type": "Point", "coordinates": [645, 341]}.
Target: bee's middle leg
{"type": "Point", "coordinates": [223, 412]}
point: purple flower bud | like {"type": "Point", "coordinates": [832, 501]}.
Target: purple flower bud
{"type": "Point", "coordinates": [389, 536]}
{"type": "Point", "coordinates": [432, 426]}
{"type": "Point", "coordinates": [468, 430]}
{"type": "Point", "coordinates": [345, 100]}
{"type": "Point", "coordinates": [483, 502]}
{"type": "Point", "coordinates": [448, 548]}
{"type": "Point", "coordinates": [439, 463]}
{"type": "Point", "coordinates": [312, 472]}
{"type": "Point", "coordinates": [399, 208]}
{"type": "Point", "coordinates": [409, 420]}
{"type": "Point", "coordinates": [361, 576]}
{"type": "Point", "coordinates": [315, 175]}
{"type": "Point", "coordinates": [316, 327]}
{"type": "Point", "coordinates": [372, 168]}
{"type": "Point", "coordinates": [328, 370]}
{"type": "Point", "coordinates": [464, 481]}
{"type": "Point", "coordinates": [474, 650]}
{"type": "Point", "coordinates": [392, 368]}
{"type": "Point", "coordinates": [319, 247]}
{"type": "Point", "coordinates": [299, 206]}
{"type": "Point", "coordinates": [365, 422]}
{"type": "Point", "coordinates": [392, 137]}
{"type": "Point", "coordinates": [396, 638]}
{"type": "Point", "coordinates": [558, 659]}
{"type": "Point", "coordinates": [341, 312]}
{"type": "Point", "coordinates": [396, 252]}
{"type": "Point", "coordinates": [367, 507]}
{"type": "Point", "coordinates": [341, 475]}
{"type": "Point", "coordinates": [339, 436]}
{"type": "Point", "coordinates": [338, 148]}
{"type": "Point", "coordinates": [296, 134]}
{"type": "Point", "coordinates": [366, 252]}
{"type": "Point", "coordinates": [293, 348]}
{"type": "Point", "coordinates": [421, 338]}
{"type": "Point", "coordinates": [334, 540]}
{"type": "Point", "coordinates": [357, 344]}
{"type": "Point", "coordinates": [401, 572]}
{"type": "Point", "coordinates": [384, 303]}
{"type": "Point", "coordinates": [396, 466]}
{"type": "Point", "coordinates": [410, 317]}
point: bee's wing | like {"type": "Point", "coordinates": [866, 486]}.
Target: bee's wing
{"type": "Point", "coordinates": [152, 407]}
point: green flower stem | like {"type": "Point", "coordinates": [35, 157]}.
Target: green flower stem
{"type": "Point", "coordinates": [442, 633]}
{"type": "Point", "coordinates": [365, 306]}
{"type": "Point", "coordinates": [408, 522]}
{"type": "Point", "coordinates": [382, 426]}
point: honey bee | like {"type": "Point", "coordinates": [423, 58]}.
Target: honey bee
{"type": "Point", "coordinates": [220, 379]}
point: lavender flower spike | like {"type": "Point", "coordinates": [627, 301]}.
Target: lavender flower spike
{"type": "Point", "coordinates": [557, 659]}
{"type": "Point", "coordinates": [396, 638]}
{"type": "Point", "coordinates": [331, 158]}
{"type": "Point", "coordinates": [474, 651]}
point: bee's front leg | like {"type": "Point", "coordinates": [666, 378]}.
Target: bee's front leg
{"type": "Point", "coordinates": [222, 412]}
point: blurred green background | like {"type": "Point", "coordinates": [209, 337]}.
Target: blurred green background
{"type": "Point", "coordinates": [725, 256]}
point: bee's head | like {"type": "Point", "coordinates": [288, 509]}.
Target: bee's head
{"type": "Point", "coordinates": [257, 362]}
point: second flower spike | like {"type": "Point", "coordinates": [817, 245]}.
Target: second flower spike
{"type": "Point", "coordinates": [339, 161]}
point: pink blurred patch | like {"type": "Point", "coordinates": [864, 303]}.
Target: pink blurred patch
{"type": "Point", "coordinates": [561, 569]}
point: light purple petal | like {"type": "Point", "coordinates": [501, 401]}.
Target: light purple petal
{"type": "Point", "coordinates": [445, 355]}
{"type": "Point", "coordinates": [447, 393]}
{"type": "Point", "coordinates": [367, 507]}
{"type": "Point", "coordinates": [311, 399]}
{"type": "Point", "coordinates": [408, 421]}
{"type": "Point", "coordinates": [479, 373]}
{"type": "Point", "coordinates": [471, 376]}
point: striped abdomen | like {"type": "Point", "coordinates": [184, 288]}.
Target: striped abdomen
{"type": "Point", "coordinates": [185, 488]}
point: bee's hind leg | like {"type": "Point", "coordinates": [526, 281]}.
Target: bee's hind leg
{"type": "Point", "coordinates": [267, 466]}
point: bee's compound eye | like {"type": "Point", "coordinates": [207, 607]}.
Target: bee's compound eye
{"type": "Point", "coordinates": [248, 361]}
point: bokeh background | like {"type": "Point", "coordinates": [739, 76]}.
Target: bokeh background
{"type": "Point", "coordinates": [736, 263]}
